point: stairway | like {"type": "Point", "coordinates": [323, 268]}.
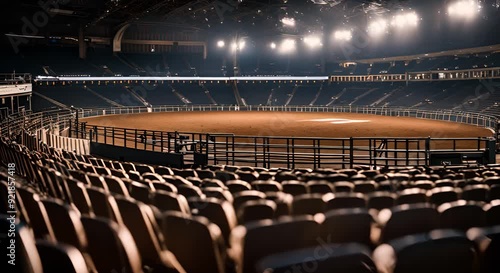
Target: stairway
{"type": "Point", "coordinates": [113, 103]}
{"type": "Point", "coordinates": [53, 101]}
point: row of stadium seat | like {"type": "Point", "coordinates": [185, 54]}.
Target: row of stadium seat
{"type": "Point", "coordinates": [174, 217]}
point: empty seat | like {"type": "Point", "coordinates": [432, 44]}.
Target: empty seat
{"type": "Point", "coordinates": [152, 176]}
{"type": "Point", "coordinates": [337, 177]}
{"type": "Point", "coordinates": [328, 258]}
{"type": "Point", "coordinates": [252, 242]}
{"type": "Point", "coordinates": [116, 185]}
{"type": "Point", "coordinates": [461, 215]}
{"type": "Point", "coordinates": [381, 200]}
{"type": "Point", "coordinates": [226, 176]}
{"type": "Point", "coordinates": [423, 184]}
{"type": "Point", "coordinates": [284, 176]}
{"type": "Point", "coordinates": [218, 193]}
{"type": "Point", "coordinates": [441, 195]}
{"type": "Point", "coordinates": [283, 202]}
{"type": "Point", "coordinates": [143, 227]}
{"type": "Point", "coordinates": [347, 225]}
{"type": "Point", "coordinates": [119, 173]}
{"type": "Point", "coordinates": [235, 186]}
{"type": "Point", "coordinates": [411, 196]}
{"type": "Point", "coordinates": [143, 168]}
{"type": "Point", "coordinates": [164, 186]}
{"type": "Point", "coordinates": [102, 170]}
{"type": "Point", "coordinates": [97, 181]}
{"type": "Point", "coordinates": [166, 201]}
{"type": "Point", "coordinates": [365, 187]}
{"type": "Point", "coordinates": [494, 192]}
{"type": "Point", "coordinates": [256, 210]}
{"type": "Point", "coordinates": [475, 193]}
{"type": "Point", "coordinates": [434, 252]}
{"type": "Point", "coordinates": [61, 258]}
{"type": "Point", "coordinates": [343, 186]}
{"type": "Point", "coordinates": [444, 183]}
{"type": "Point", "coordinates": [310, 203]}
{"type": "Point", "coordinates": [319, 186]}
{"type": "Point", "coordinates": [217, 211]}
{"type": "Point", "coordinates": [266, 186]}
{"type": "Point", "coordinates": [189, 191]}
{"type": "Point", "coordinates": [195, 242]}
{"type": "Point", "coordinates": [243, 196]}
{"type": "Point", "coordinates": [104, 204]}
{"type": "Point", "coordinates": [295, 187]}
{"type": "Point", "coordinates": [205, 174]}
{"type": "Point", "coordinates": [128, 166]}
{"type": "Point", "coordinates": [79, 175]}
{"type": "Point", "coordinates": [346, 200]}
{"type": "Point", "coordinates": [248, 176]}
{"type": "Point", "coordinates": [111, 246]}
{"type": "Point", "coordinates": [79, 196]}
{"type": "Point", "coordinates": [140, 192]}
{"type": "Point", "coordinates": [494, 180]}
{"type": "Point", "coordinates": [72, 231]}
{"type": "Point", "coordinates": [407, 219]}
{"type": "Point", "coordinates": [134, 175]}
{"type": "Point", "coordinates": [27, 259]}
{"type": "Point", "coordinates": [487, 242]}
{"type": "Point", "coordinates": [492, 211]}
{"type": "Point", "coordinates": [213, 183]}
{"type": "Point", "coordinates": [37, 213]}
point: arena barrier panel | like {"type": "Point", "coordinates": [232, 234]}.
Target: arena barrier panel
{"type": "Point", "coordinates": [293, 152]}
{"type": "Point", "coordinates": [77, 145]}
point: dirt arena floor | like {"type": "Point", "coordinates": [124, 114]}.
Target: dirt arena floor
{"type": "Point", "coordinates": [245, 150]}
{"type": "Point", "coordinates": [291, 124]}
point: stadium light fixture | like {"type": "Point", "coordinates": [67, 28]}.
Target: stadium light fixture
{"type": "Point", "coordinates": [403, 20]}
{"type": "Point", "coordinates": [377, 27]}
{"type": "Point", "coordinates": [238, 46]}
{"type": "Point", "coordinates": [287, 46]}
{"type": "Point", "coordinates": [343, 35]}
{"type": "Point", "coordinates": [313, 41]}
{"type": "Point", "coordinates": [241, 45]}
{"type": "Point", "coordinates": [234, 46]}
{"type": "Point", "coordinates": [221, 44]}
{"type": "Point", "coordinates": [288, 21]}
{"type": "Point", "coordinates": [464, 9]}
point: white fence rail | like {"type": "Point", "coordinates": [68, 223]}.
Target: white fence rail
{"type": "Point", "coordinates": [476, 119]}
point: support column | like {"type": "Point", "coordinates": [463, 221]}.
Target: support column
{"type": "Point", "coordinates": [82, 46]}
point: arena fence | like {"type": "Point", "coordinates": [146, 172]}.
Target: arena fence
{"type": "Point", "coordinates": [481, 120]}
{"type": "Point", "coordinates": [266, 151]}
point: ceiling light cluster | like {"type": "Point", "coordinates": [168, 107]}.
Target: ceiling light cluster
{"type": "Point", "coordinates": [464, 9]}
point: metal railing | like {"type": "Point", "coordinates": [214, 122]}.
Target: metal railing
{"type": "Point", "coordinates": [289, 152]}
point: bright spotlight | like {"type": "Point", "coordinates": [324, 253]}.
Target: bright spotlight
{"type": "Point", "coordinates": [464, 9]}
{"type": "Point", "coordinates": [238, 45]}
{"type": "Point", "coordinates": [344, 35]}
{"type": "Point", "coordinates": [287, 21]}
{"type": "Point", "coordinates": [378, 27]}
{"type": "Point", "coordinates": [313, 41]}
{"type": "Point", "coordinates": [287, 46]}
{"type": "Point", "coordinates": [273, 45]}
{"type": "Point", "coordinates": [234, 46]}
{"type": "Point", "coordinates": [241, 45]}
{"type": "Point", "coordinates": [403, 20]}
{"type": "Point", "coordinates": [221, 43]}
